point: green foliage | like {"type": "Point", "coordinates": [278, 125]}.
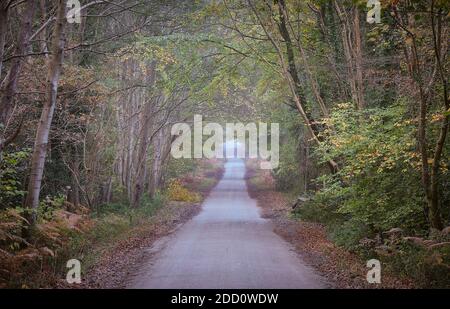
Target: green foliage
{"type": "Point", "coordinates": [112, 222]}
{"type": "Point", "coordinates": [287, 175]}
{"type": "Point", "coordinates": [12, 165]}
{"type": "Point", "coordinates": [48, 206]}
{"type": "Point", "coordinates": [427, 266]}
{"type": "Point", "coordinates": [54, 242]}
{"type": "Point", "coordinates": [179, 167]}
{"type": "Point", "coordinates": [146, 209]}
{"type": "Point", "coordinates": [378, 186]}
{"type": "Point", "coordinates": [149, 206]}
{"type": "Point", "coordinates": [348, 233]}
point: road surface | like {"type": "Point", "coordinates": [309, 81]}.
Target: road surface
{"type": "Point", "coordinates": [228, 245]}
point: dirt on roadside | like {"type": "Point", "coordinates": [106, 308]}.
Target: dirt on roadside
{"type": "Point", "coordinates": [117, 263]}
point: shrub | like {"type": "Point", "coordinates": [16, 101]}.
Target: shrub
{"type": "Point", "coordinates": [378, 185]}
{"type": "Point", "coordinates": [12, 165]}
{"type": "Point", "coordinates": [429, 268]}
{"type": "Point", "coordinates": [177, 192]}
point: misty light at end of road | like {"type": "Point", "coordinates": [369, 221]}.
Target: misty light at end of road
{"type": "Point", "coordinates": [236, 140]}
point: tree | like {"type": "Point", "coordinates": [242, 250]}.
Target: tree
{"type": "Point", "coordinates": [430, 159]}
{"type": "Point", "coordinates": [43, 129]}
{"type": "Point", "coordinates": [9, 85]}
{"type": "Point", "coordinates": [290, 71]}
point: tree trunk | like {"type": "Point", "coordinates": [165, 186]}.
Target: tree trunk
{"type": "Point", "coordinates": [43, 34]}
{"type": "Point", "coordinates": [144, 139]}
{"type": "Point", "coordinates": [3, 30]}
{"type": "Point", "coordinates": [105, 195]}
{"type": "Point", "coordinates": [43, 130]}
{"type": "Point", "coordinates": [435, 216]}
{"type": "Point", "coordinates": [430, 181]}
{"type": "Point", "coordinates": [292, 66]}
{"type": "Point", "coordinates": [141, 165]}
{"type": "Point", "coordinates": [297, 89]}
{"type": "Point", "coordinates": [331, 56]}
{"type": "Point", "coordinates": [357, 54]}
{"type": "Point", "coordinates": [73, 195]}
{"type": "Point", "coordinates": [155, 177]}
{"type": "Point", "coordinates": [9, 87]}
{"type": "Point", "coordinates": [284, 21]}
{"type": "Point", "coordinates": [352, 46]}
{"type": "Point", "coordinates": [432, 199]}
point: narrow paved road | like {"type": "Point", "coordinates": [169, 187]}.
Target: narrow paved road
{"type": "Point", "coordinates": [228, 245]}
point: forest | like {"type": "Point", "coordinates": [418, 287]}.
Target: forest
{"type": "Point", "coordinates": [90, 90]}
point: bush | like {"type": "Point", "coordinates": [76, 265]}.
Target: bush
{"type": "Point", "coordinates": [180, 167]}
{"type": "Point", "coordinates": [287, 175]}
{"type": "Point", "coordinates": [12, 166]}
{"type": "Point", "coordinates": [177, 192]}
{"type": "Point", "coordinates": [344, 231]}
{"type": "Point", "coordinates": [378, 185]}
{"type": "Point", "coordinates": [429, 268]}
{"type": "Point", "coordinates": [40, 260]}
{"type": "Point", "coordinates": [149, 206]}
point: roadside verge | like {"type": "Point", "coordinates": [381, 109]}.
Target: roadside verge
{"type": "Point", "coordinates": [343, 269]}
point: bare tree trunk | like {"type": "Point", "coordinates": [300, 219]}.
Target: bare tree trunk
{"type": "Point", "coordinates": [43, 34]}
{"type": "Point", "coordinates": [9, 87]}
{"type": "Point", "coordinates": [162, 147]}
{"type": "Point", "coordinates": [141, 167]}
{"type": "Point", "coordinates": [292, 66]}
{"type": "Point", "coordinates": [351, 42]}
{"type": "Point", "coordinates": [358, 58]}
{"type": "Point", "coordinates": [3, 30]}
{"type": "Point", "coordinates": [155, 177]}
{"type": "Point", "coordinates": [430, 179]}
{"type": "Point", "coordinates": [332, 55]}
{"type": "Point", "coordinates": [105, 192]}
{"type": "Point", "coordinates": [144, 139]}
{"type": "Point", "coordinates": [284, 21]}
{"type": "Point", "coordinates": [73, 196]}
{"type": "Point", "coordinates": [126, 117]}
{"type": "Point", "coordinates": [291, 75]}
{"type": "Point", "coordinates": [43, 130]}
{"type": "Point", "coordinates": [435, 216]}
